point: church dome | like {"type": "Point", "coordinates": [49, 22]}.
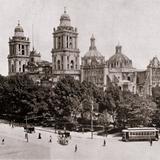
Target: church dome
{"type": "Point", "coordinates": [93, 50]}
{"type": "Point", "coordinates": [65, 19]}
{"type": "Point", "coordinates": [93, 56]}
{"type": "Point", "coordinates": [119, 60]}
{"type": "Point", "coordinates": [18, 31]}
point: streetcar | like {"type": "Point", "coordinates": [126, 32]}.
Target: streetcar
{"type": "Point", "coordinates": [144, 133]}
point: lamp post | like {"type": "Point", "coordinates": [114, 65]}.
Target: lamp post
{"type": "Point", "coordinates": [26, 120]}
{"type": "Point", "coordinates": [92, 119]}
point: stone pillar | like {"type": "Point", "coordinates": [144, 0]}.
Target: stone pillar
{"type": "Point", "coordinates": [78, 65]}
{"type": "Point", "coordinates": [64, 41]}
{"type": "Point", "coordinates": [16, 49]}
{"type": "Point", "coordinates": [82, 75]}
{"type": "Point", "coordinates": [76, 43]}
{"type": "Point", "coordinates": [54, 42]}
{"type": "Point", "coordinates": [65, 62]}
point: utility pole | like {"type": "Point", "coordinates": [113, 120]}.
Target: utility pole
{"type": "Point", "coordinates": [91, 119]}
{"type": "Point", "coordinates": [26, 120]}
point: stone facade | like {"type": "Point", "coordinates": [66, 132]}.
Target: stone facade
{"type": "Point", "coordinates": [93, 68]}
{"type": "Point", "coordinates": [19, 52]}
{"type": "Point", "coordinates": [65, 52]}
{"type": "Point", "coordinates": [117, 69]}
{"type": "Point", "coordinates": [149, 78]}
{"type": "Point", "coordinates": [121, 71]}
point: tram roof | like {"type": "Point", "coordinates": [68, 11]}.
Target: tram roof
{"type": "Point", "coordinates": [140, 129]}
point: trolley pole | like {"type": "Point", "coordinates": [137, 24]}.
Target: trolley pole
{"type": "Point", "coordinates": [92, 119]}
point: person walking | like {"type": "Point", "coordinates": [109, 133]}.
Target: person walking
{"type": "Point", "coordinates": [39, 136]}
{"type": "Point", "coordinates": [3, 141]}
{"type": "Point", "coordinates": [50, 138]}
{"type": "Point", "coordinates": [104, 142]}
{"type": "Point", "coordinates": [75, 149]}
{"type": "Point", "coordinates": [26, 136]}
{"type": "Point", "coordinates": [151, 142]}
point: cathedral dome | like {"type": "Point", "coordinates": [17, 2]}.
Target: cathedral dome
{"type": "Point", "coordinates": [93, 50]}
{"type": "Point", "coordinates": [65, 19]}
{"type": "Point", "coordinates": [119, 60]}
{"type": "Point", "coordinates": [18, 31]}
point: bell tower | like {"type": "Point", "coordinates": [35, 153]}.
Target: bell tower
{"type": "Point", "coordinates": [65, 52]}
{"type": "Point", "coordinates": [18, 51]}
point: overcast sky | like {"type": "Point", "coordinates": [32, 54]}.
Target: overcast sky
{"type": "Point", "coordinates": [133, 23]}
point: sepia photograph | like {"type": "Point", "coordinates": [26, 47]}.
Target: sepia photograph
{"type": "Point", "coordinates": [79, 79]}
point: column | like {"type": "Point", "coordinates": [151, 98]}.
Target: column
{"type": "Point", "coordinates": [16, 49]}
{"type": "Point", "coordinates": [75, 42]}
{"type": "Point", "coordinates": [64, 41]}
{"type": "Point", "coordinates": [65, 62]}
{"type": "Point", "coordinates": [54, 42]}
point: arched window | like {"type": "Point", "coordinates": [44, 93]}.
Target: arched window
{"type": "Point", "coordinates": [70, 45]}
{"type": "Point", "coordinates": [72, 64]}
{"type": "Point", "coordinates": [32, 59]}
{"type": "Point", "coordinates": [12, 68]}
{"type": "Point", "coordinates": [22, 49]}
{"type": "Point", "coordinates": [70, 42]}
{"type": "Point", "coordinates": [59, 42]}
{"type": "Point", "coordinates": [58, 64]}
{"type": "Point", "coordinates": [23, 67]}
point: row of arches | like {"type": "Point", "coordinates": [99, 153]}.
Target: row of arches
{"type": "Point", "coordinates": [120, 64]}
{"type": "Point", "coordinates": [14, 70]}
{"type": "Point", "coordinates": [70, 65]}
{"type": "Point", "coordinates": [65, 42]}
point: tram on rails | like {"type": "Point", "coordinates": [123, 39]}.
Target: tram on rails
{"type": "Point", "coordinates": [145, 133]}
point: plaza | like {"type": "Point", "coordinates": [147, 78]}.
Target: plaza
{"type": "Point", "coordinates": [16, 146]}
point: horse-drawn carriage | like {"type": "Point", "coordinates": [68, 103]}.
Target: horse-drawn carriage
{"type": "Point", "coordinates": [63, 137]}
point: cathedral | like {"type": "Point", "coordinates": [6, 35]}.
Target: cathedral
{"type": "Point", "coordinates": [94, 68]}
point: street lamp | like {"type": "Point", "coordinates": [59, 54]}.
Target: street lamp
{"type": "Point", "coordinates": [91, 119]}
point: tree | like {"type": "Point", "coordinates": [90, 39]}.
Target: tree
{"type": "Point", "coordinates": [135, 111]}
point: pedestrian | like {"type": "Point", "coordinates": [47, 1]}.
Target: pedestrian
{"type": "Point", "coordinates": [27, 136]}
{"type": "Point", "coordinates": [3, 141]}
{"type": "Point", "coordinates": [82, 130]}
{"type": "Point", "coordinates": [104, 142]}
{"type": "Point", "coordinates": [50, 139]}
{"type": "Point", "coordinates": [39, 136]}
{"type": "Point", "coordinates": [150, 142]}
{"type": "Point", "coordinates": [75, 149]}
{"type": "Point", "coordinates": [12, 124]}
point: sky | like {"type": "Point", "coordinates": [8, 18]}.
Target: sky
{"type": "Point", "coordinates": [134, 24]}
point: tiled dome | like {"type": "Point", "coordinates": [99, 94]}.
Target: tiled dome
{"type": "Point", "coordinates": [119, 60]}
{"type": "Point", "coordinates": [65, 19]}
{"type": "Point", "coordinates": [93, 50]}
{"type": "Point", "coordinates": [18, 31]}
